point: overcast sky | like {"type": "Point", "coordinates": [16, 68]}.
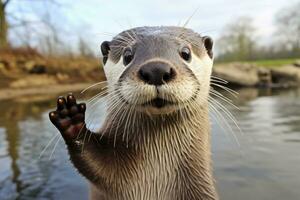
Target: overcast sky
{"type": "Point", "coordinates": [96, 20]}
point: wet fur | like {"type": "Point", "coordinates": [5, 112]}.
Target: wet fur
{"type": "Point", "coordinates": [143, 152]}
{"type": "Point", "coordinates": [165, 158]}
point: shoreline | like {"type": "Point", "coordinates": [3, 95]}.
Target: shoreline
{"type": "Point", "coordinates": [10, 93]}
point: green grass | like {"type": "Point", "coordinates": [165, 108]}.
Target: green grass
{"type": "Point", "coordinates": [269, 63]}
{"type": "Point", "coordinates": [274, 63]}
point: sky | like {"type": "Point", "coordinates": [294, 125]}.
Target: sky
{"type": "Point", "coordinates": [99, 20]}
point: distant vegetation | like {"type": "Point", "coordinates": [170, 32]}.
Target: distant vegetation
{"type": "Point", "coordinates": [31, 28]}
{"type": "Point", "coordinates": [239, 41]}
{"type": "Point", "coordinates": [36, 52]}
{"type": "Point", "coordinates": [275, 62]}
{"type": "Point", "coordinates": [269, 63]}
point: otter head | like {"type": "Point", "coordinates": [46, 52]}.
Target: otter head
{"type": "Point", "coordinates": [158, 70]}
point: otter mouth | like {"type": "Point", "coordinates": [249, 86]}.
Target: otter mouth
{"type": "Point", "coordinates": [158, 103]}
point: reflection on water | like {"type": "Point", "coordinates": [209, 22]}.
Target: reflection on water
{"type": "Point", "coordinates": [262, 162]}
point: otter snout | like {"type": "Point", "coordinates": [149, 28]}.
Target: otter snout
{"type": "Point", "coordinates": [156, 73]}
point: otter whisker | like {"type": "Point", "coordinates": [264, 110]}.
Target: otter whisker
{"type": "Point", "coordinates": [95, 84]}
{"type": "Point", "coordinates": [111, 95]}
{"type": "Point", "coordinates": [84, 138]}
{"type": "Point", "coordinates": [123, 40]}
{"type": "Point", "coordinates": [106, 34]}
{"type": "Point", "coordinates": [123, 114]}
{"type": "Point", "coordinates": [48, 144]}
{"type": "Point", "coordinates": [129, 116]}
{"type": "Point", "coordinates": [224, 121]}
{"type": "Point", "coordinates": [134, 127]}
{"type": "Point", "coordinates": [92, 114]}
{"type": "Point", "coordinates": [91, 122]}
{"type": "Point", "coordinates": [54, 148]}
{"type": "Point", "coordinates": [111, 107]}
{"type": "Point", "coordinates": [223, 98]}
{"type": "Point", "coordinates": [230, 91]}
{"type": "Point", "coordinates": [218, 81]}
{"type": "Point", "coordinates": [218, 78]}
{"type": "Point", "coordinates": [131, 109]}
{"type": "Point", "coordinates": [220, 95]}
{"type": "Point", "coordinates": [101, 93]}
{"type": "Point", "coordinates": [228, 113]}
{"type": "Point", "coordinates": [114, 113]}
{"type": "Point", "coordinates": [157, 103]}
{"type": "Point", "coordinates": [130, 36]}
{"type": "Point", "coordinates": [96, 98]}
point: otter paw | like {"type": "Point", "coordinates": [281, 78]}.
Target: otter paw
{"type": "Point", "coordinates": [69, 117]}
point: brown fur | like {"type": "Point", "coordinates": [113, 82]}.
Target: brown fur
{"type": "Point", "coordinates": [138, 155]}
{"type": "Point", "coordinates": [165, 159]}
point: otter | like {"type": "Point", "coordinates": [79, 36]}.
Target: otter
{"type": "Point", "coordinates": [155, 140]}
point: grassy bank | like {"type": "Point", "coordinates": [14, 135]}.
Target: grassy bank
{"type": "Point", "coordinates": [274, 63]}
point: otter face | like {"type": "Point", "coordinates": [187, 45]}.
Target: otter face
{"type": "Point", "coordinates": [158, 70]}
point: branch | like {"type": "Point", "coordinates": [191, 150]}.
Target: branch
{"type": "Point", "coordinates": [54, 2]}
{"type": "Point", "coordinates": [5, 3]}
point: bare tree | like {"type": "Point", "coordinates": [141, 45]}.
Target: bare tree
{"type": "Point", "coordinates": [22, 22]}
{"type": "Point", "coordinates": [288, 28]}
{"type": "Point", "coordinates": [84, 48]}
{"type": "Point", "coordinates": [238, 40]}
{"type": "Point", "coordinates": [3, 24]}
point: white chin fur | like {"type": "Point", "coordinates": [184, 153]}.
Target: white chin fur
{"type": "Point", "coordinates": [151, 110]}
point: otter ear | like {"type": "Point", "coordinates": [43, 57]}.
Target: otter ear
{"type": "Point", "coordinates": [208, 44]}
{"type": "Point", "coordinates": [105, 50]}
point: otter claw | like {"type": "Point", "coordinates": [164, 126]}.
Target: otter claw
{"type": "Point", "coordinates": [69, 117]}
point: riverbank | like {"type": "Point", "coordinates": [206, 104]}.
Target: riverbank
{"type": "Point", "coordinates": [255, 74]}
{"type": "Point", "coordinates": [23, 69]}
{"type": "Point", "coordinates": [28, 73]}
{"type": "Point", "coordinates": [42, 90]}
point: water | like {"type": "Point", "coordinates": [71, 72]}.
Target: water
{"type": "Point", "coordinates": [262, 162]}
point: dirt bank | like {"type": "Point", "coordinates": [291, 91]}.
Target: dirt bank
{"type": "Point", "coordinates": [251, 75]}
{"type": "Point", "coordinates": [50, 89]}
{"type": "Point", "coordinates": [26, 69]}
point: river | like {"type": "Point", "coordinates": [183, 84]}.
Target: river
{"type": "Point", "coordinates": [259, 162]}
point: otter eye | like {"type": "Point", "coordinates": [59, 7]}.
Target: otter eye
{"type": "Point", "coordinates": [127, 56]}
{"type": "Point", "coordinates": [185, 53]}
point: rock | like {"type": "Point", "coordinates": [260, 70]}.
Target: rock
{"type": "Point", "coordinates": [265, 77]}
{"type": "Point", "coordinates": [246, 94]}
{"type": "Point", "coordinates": [62, 77]}
{"type": "Point", "coordinates": [34, 81]}
{"type": "Point", "coordinates": [241, 74]}
{"type": "Point", "coordinates": [38, 69]}
{"type": "Point", "coordinates": [297, 63]}
{"type": "Point", "coordinates": [28, 65]}
{"type": "Point", "coordinates": [33, 68]}
{"type": "Point", "coordinates": [2, 66]}
{"type": "Point", "coordinates": [286, 76]}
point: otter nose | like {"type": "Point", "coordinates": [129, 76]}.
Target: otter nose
{"type": "Point", "coordinates": [156, 73]}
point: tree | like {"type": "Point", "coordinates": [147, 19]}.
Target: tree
{"type": "Point", "coordinates": [84, 49]}
{"type": "Point", "coordinates": [237, 41]}
{"type": "Point", "coordinates": [288, 29]}
{"type": "Point", "coordinates": [20, 21]}
{"type": "Point", "coordinates": [3, 24]}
